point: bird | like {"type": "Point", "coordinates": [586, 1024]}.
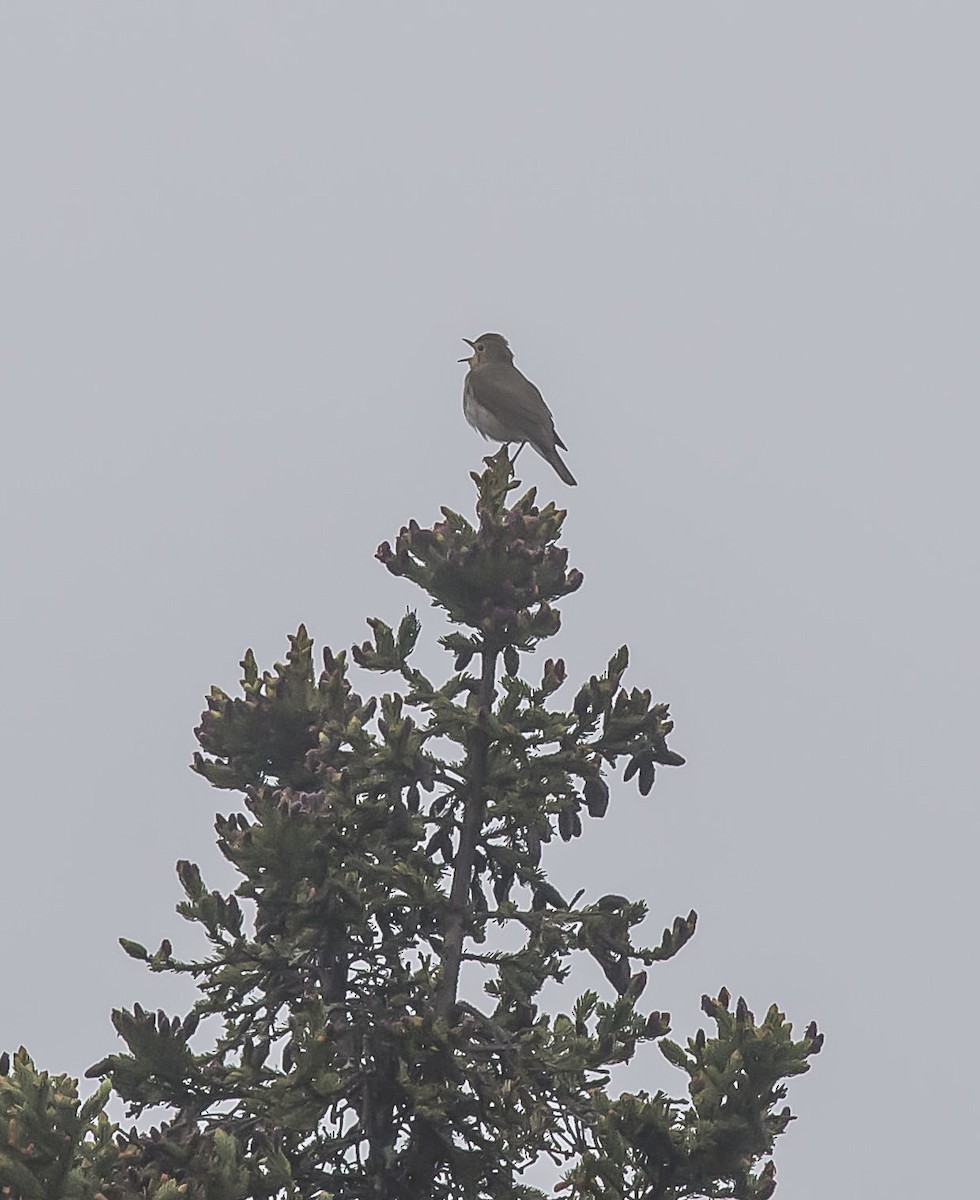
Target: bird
{"type": "Point", "coordinates": [500, 403]}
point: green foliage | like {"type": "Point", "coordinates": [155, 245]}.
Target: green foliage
{"type": "Point", "coordinates": [53, 1145]}
{"type": "Point", "coordinates": [657, 1149]}
{"type": "Point", "coordinates": [56, 1147]}
{"type": "Point", "coordinates": [385, 845]}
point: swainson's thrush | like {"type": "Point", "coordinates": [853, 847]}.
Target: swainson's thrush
{"type": "Point", "coordinates": [503, 405]}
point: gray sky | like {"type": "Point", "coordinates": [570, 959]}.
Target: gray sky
{"type": "Point", "coordinates": [735, 245]}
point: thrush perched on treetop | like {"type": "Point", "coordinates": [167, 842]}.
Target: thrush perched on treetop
{"type": "Point", "coordinates": [501, 404]}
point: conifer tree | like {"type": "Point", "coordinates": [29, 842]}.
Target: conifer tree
{"type": "Point", "coordinates": [346, 1049]}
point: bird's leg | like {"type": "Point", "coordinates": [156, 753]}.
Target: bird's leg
{"type": "Point", "coordinates": [516, 452]}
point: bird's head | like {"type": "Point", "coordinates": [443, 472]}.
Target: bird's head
{"type": "Point", "coordinates": [488, 347]}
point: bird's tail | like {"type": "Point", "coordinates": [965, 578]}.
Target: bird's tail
{"type": "Point", "coordinates": [550, 454]}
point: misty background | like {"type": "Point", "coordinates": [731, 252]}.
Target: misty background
{"type": "Point", "coordinates": [735, 246]}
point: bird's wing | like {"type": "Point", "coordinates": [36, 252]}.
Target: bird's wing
{"type": "Point", "coordinates": [514, 400]}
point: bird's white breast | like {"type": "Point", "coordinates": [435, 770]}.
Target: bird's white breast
{"type": "Point", "coordinates": [483, 420]}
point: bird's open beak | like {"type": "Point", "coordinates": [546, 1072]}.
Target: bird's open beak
{"type": "Point", "coordinates": [472, 345]}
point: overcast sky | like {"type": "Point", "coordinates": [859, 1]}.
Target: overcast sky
{"type": "Point", "coordinates": [736, 247]}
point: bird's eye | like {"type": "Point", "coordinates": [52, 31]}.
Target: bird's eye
{"type": "Point", "coordinates": [480, 346]}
